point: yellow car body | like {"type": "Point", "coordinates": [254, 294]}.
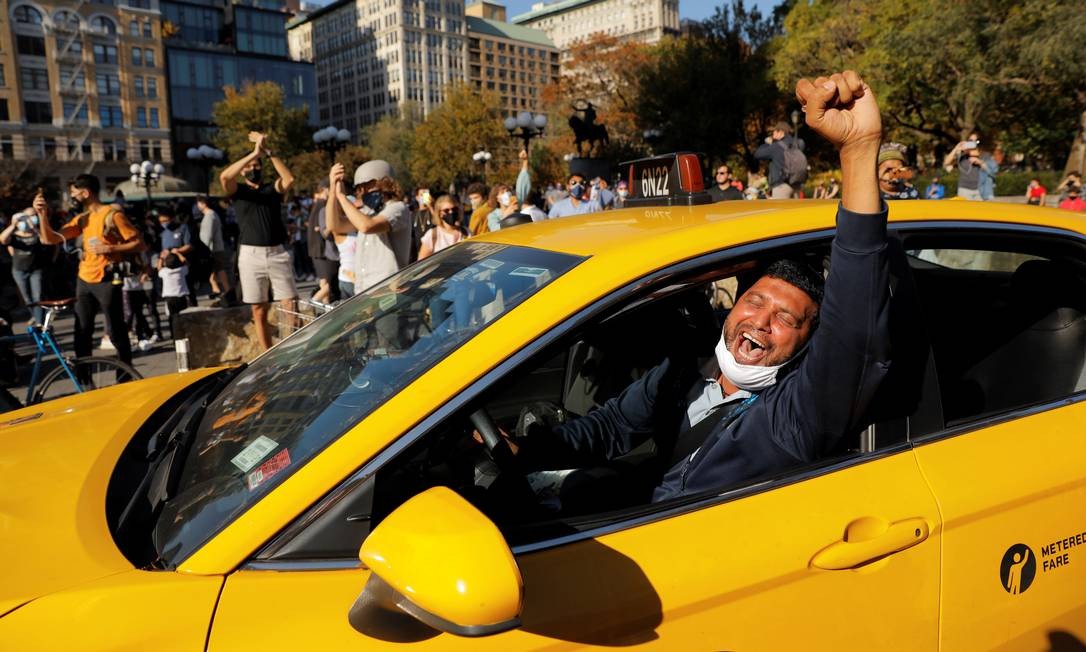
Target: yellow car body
{"type": "Point", "coordinates": [771, 566]}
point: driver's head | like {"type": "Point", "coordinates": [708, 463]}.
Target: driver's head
{"type": "Point", "coordinates": [773, 320]}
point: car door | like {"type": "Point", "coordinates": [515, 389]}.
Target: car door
{"type": "Point", "coordinates": [730, 573]}
{"type": "Point", "coordinates": [1009, 468]}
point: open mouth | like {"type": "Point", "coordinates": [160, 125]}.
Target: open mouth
{"type": "Point", "coordinates": [749, 349]}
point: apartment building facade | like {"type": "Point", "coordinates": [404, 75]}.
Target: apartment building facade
{"type": "Point", "coordinates": [514, 61]}
{"type": "Point", "coordinates": [568, 21]}
{"type": "Point", "coordinates": [373, 56]}
{"type": "Point", "coordinates": [211, 44]}
{"type": "Point", "coordinates": [82, 88]}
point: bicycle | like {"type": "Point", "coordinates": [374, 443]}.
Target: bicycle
{"type": "Point", "coordinates": [72, 376]}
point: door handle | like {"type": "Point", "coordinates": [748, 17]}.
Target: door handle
{"type": "Point", "coordinates": [868, 539]}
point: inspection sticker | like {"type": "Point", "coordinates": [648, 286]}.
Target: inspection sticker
{"type": "Point", "coordinates": [265, 471]}
{"type": "Point", "coordinates": [530, 272]}
{"type": "Point", "coordinates": [490, 263]}
{"type": "Point", "coordinates": [253, 453]}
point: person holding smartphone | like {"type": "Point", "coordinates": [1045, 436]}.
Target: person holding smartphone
{"type": "Point", "coordinates": [29, 258]}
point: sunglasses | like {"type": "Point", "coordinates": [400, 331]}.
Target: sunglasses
{"type": "Point", "coordinates": [446, 211]}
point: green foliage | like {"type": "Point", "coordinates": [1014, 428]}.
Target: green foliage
{"type": "Point", "coordinates": [1012, 70]}
{"type": "Point", "coordinates": [259, 107]}
{"type": "Point", "coordinates": [309, 168]}
{"type": "Point", "coordinates": [467, 121]}
{"type": "Point", "coordinates": [392, 138]}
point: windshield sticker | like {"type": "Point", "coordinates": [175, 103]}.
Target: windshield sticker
{"type": "Point", "coordinates": [530, 272]}
{"type": "Point", "coordinates": [253, 453]}
{"type": "Point", "coordinates": [490, 263]}
{"type": "Point", "coordinates": [265, 471]}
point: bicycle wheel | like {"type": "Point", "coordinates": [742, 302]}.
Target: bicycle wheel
{"type": "Point", "coordinates": [93, 373]}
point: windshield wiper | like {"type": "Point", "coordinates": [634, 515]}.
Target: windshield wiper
{"type": "Point", "coordinates": [168, 448]}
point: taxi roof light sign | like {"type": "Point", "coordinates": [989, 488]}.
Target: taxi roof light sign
{"type": "Point", "coordinates": [668, 180]}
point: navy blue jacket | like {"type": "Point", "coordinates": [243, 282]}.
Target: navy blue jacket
{"type": "Point", "coordinates": [793, 422]}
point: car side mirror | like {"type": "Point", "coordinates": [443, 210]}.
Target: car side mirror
{"type": "Point", "coordinates": [439, 560]}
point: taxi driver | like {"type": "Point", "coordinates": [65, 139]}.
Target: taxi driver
{"type": "Point", "coordinates": [797, 363]}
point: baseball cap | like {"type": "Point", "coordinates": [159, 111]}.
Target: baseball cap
{"type": "Point", "coordinates": [371, 171]}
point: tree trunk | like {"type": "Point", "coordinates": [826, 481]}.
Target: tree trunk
{"type": "Point", "coordinates": [1076, 160]}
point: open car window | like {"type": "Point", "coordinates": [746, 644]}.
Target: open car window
{"type": "Point", "coordinates": [306, 392]}
{"type": "Point", "coordinates": [589, 362]}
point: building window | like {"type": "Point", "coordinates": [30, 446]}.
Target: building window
{"type": "Point", "coordinates": [110, 116]}
{"type": "Point", "coordinates": [145, 150]}
{"type": "Point", "coordinates": [152, 87]}
{"type": "Point", "coordinates": [156, 150]}
{"type": "Point", "coordinates": [38, 112]}
{"type": "Point", "coordinates": [32, 45]}
{"type": "Point", "coordinates": [34, 79]}
{"type": "Point", "coordinates": [149, 58]}
{"type": "Point", "coordinates": [3, 78]}
{"type": "Point", "coordinates": [103, 25]}
{"type": "Point", "coordinates": [7, 148]}
{"type": "Point", "coordinates": [146, 29]}
{"type": "Point", "coordinates": [137, 56]}
{"type": "Point", "coordinates": [28, 15]}
{"type": "Point", "coordinates": [154, 118]}
{"type": "Point", "coordinates": [4, 116]}
{"type": "Point", "coordinates": [105, 53]}
{"type": "Point", "coordinates": [42, 148]}
{"type": "Point", "coordinates": [139, 86]}
{"type": "Point", "coordinates": [71, 114]}
{"type": "Point", "coordinates": [141, 117]}
{"type": "Point", "coordinates": [108, 84]}
{"type": "Point", "coordinates": [134, 28]}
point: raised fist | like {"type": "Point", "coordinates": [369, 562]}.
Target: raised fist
{"type": "Point", "coordinates": [842, 109]}
{"type": "Point", "coordinates": [257, 139]}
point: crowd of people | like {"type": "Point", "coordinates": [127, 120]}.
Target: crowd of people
{"type": "Point", "coordinates": [256, 243]}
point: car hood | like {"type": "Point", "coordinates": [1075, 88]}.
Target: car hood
{"type": "Point", "coordinates": [56, 459]}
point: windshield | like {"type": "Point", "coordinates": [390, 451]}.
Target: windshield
{"type": "Point", "coordinates": [311, 388]}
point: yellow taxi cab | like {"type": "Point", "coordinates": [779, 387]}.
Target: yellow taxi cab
{"type": "Point", "coordinates": [334, 494]}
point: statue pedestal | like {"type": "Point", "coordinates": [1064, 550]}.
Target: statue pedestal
{"type": "Point", "coordinates": [590, 168]}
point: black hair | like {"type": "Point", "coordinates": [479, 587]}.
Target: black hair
{"type": "Point", "coordinates": [87, 182]}
{"type": "Point", "coordinates": [799, 274]}
{"type": "Point", "coordinates": [171, 261]}
{"type": "Point", "coordinates": [202, 199]}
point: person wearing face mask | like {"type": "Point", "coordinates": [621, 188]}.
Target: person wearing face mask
{"type": "Point", "coordinates": [29, 258]}
{"type": "Point", "coordinates": [894, 174]}
{"type": "Point", "coordinates": [108, 237]}
{"type": "Point", "coordinates": [798, 360]}
{"type": "Point", "coordinates": [578, 202]}
{"type": "Point", "coordinates": [503, 203]}
{"type": "Point", "coordinates": [446, 230]}
{"type": "Point", "coordinates": [622, 191]}
{"type": "Point", "coordinates": [265, 270]}
{"type": "Point", "coordinates": [480, 210]}
{"type": "Point", "coordinates": [379, 217]}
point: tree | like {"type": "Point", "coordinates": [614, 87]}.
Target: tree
{"type": "Point", "coordinates": [468, 120]}
{"type": "Point", "coordinates": [309, 168]}
{"type": "Point", "coordinates": [942, 70]}
{"type": "Point", "coordinates": [392, 138]}
{"type": "Point", "coordinates": [605, 71]}
{"type": "Point", "coordinates": [259, 107]}
{"type": "Point", "coordinates": [711, 91]}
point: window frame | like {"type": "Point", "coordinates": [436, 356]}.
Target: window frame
{"type": "Point", "coordinates": [617, 521]}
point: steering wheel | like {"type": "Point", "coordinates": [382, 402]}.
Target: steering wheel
{"type": "Point", "coordinates": [498, 448]}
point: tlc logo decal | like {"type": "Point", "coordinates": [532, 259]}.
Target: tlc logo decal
{"type": "Point", "coordinates": [1018, 568]}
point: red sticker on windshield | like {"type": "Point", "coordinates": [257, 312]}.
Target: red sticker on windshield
{"type": "Point", "coordinates": [265, 471]}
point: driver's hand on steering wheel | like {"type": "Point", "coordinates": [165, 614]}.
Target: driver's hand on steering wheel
{"type": "Point", "coordinates": [513, 448]}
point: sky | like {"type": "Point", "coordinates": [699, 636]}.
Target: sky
{"type": "Point", "coordinates": [695, 9]}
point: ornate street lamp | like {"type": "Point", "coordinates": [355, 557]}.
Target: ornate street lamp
{"type": "Point", "coordinates": [483, 157]}
{"type": "Point", "coordinates": [205, 156]}
{"type": "Point", "coordinates": [146, 176]}
{"type": "Point", "coordinates": [525, 126]}
{"type": "Point", "coordinates": [331, 139]}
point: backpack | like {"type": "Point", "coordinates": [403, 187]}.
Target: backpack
{"type": "Point", "coordinates": [795, 165]}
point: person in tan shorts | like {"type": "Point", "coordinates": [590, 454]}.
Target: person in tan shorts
{"type": "Point", "coordinates": [264, 267]}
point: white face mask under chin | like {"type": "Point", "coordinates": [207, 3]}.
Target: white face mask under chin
{"type": "Point", "coordinates": [744, 376]}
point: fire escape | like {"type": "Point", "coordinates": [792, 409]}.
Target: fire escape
{"type": "Point", "coordinates": [73, 83]}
